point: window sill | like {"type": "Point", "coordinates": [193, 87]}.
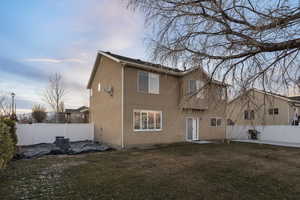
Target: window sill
{"type": "Point", "coordinates": [147, 93]}
{"type": "Point", "coordinates": [148, 130]}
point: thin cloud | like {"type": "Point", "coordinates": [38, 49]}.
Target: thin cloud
{"type": "Point", "coordinates": [50, 60]}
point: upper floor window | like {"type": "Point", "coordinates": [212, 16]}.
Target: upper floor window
{"type": "Point", "coordinates": [222, 93]}
{"type": "Point", "coordinates": [148, 82]}
{"type": "Point", "coordinates": [249, 114]}
{"type": "Point", "coordinates": [217, 122]}
{"type": "Point", "coordinates": [273, 111]}
{"type": "Point", "coordinates": [195, 86]}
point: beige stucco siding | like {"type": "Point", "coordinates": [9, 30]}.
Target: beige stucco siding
{"type": "Point", "coordinates": [174, 116]}
{"type": "Point", "coordinates": [106, 109]}
{"type": "Point", "coordinates": [260, 103]}
{"type": "Point", "coordinates": [212, 105]}
{"type": "Point", "coordinates": [166, 101]}
{"type": "Point", "coordinates": [113, 114]}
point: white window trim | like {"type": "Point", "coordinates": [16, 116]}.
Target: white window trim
{"type": "Point", "coordinates": [216, 126]}
{"type": "Point", "coordinates": [149, 74]}
{"type": "Point", "coordinates": [199, 88]}
{"type": "Point", "coordinates": [141, 121]}
{"type": "Point", "coordinates": [223, 95]}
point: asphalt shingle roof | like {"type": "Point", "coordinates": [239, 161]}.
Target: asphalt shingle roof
{"type": "Point", "coordinates": [141, 62]}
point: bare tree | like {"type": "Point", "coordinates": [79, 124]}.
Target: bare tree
{"type": "Point", "coordinates": [249, 43]}
{"type": "Point", "coordinates": [55, 93]}
{"type": "Point", "coordinates": [5, 105]}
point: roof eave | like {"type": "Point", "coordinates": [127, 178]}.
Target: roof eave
{"type": "Point", "coordinates": [147, 67]}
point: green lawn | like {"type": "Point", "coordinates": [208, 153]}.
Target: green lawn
{"type": "Point", "coordinates": [179, 171]}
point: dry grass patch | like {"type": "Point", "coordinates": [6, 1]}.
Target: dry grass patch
{"type": "Point", "coordinates": [179, 171]}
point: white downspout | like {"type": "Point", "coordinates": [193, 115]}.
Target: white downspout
{"type": "Point", "coordinates": [289, 114]}
{"type": "Point", "coordinates": [122, 112]}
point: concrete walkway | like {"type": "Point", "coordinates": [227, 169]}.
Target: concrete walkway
{"type": "Point", "coordinates": [284, 144]}
{"type": "Point", "coordinates": [201, 142]}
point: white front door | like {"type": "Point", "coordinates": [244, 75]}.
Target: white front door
{"type": "Point", "coordinates": [192, 128]}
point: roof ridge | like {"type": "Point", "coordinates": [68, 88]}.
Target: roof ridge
{"type": "Point", "coordinates": [140, 61]}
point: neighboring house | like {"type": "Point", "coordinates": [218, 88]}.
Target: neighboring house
{"type": "Point", "coordinates": [133, 103]}
{"type": "Point", "coordinates": [79, 115]}
{"type": "Point", "coordinates": [256, 107]}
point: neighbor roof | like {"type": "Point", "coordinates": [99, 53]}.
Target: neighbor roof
{"type": "Point", "coordinates": [80, 109]}
{"type": "Point", "coordinates": [142, 65]}
{"type": "Point", "coordinates": [289, 99]}
{"type": "Point", "coordinates": [297, 98]}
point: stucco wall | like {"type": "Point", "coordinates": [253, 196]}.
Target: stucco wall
{"type": "Point", "coordinates": [105, 110]}
{"type": "Point", "coordinates": [174, 116]}
{"type": "Point", "coordinates": [166, 101]}
{"type": "Point", "coordinates": [260, 103]}
{"type": "Point", "coordinates": [213, 105]}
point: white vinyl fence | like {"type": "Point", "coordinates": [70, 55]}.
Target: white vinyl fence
{"type": "Point", "coordinates": [29, 134]}
{"type": "Point", "coordinates": [269, 133]}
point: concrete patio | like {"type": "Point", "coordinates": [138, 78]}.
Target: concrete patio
{"type": "Point", "coordinates": [284, 144]}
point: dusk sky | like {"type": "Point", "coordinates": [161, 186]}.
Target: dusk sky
{"type": "Point", "coordinates": [41, 37]}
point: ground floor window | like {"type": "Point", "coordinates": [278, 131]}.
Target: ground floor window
{"type": "Point", "coordinates": [216, 122]}
{"type": "Point", "coordinates": [147, 120]}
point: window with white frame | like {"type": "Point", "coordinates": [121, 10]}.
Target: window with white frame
{"type": "Point", "coordinates": [216, 122]}
{"type": "Point", "coordinates": [146, 120]}
{"type": "Point", "coordinates": [196, 86]}
{"type": "Point", "coordinates": [222, 93]}
{"type": "Point", "coordinates": [148, 82]}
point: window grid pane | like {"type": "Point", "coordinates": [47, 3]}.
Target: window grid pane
{"type": "Point", "coordinates": [192, 86]}
{"type": "Point", "coordinates": [213, 122]}
{"type": "Point", "coordinates": [252, 114]}
{"type": "Point", "coordinates": [137, 120]}
{"type": "Point", "coordinates": [219, 122]}
{"type": "Point", "coordinates": [144, 120]}
{"type": "Point", "coordinates": [158, 120]}
{"type": "Point", "coordinates": [151, 120]}
{"type": "Point", "coordinates": [147, 120]}
{"type": "Point", "coordinates": [153, 83]}
{"type": "Point", "coordinates": [246, 114]}
{"type": "Point", "coordinates": [143, 82]}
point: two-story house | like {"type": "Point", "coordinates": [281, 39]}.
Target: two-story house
{"type": "Point", "coordinates": [257, 107]}
{"type": "Point", "coordinates": [133, 103]}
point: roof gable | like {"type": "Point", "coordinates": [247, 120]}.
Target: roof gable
{"type": "Point", "coordinates": [144, 65]}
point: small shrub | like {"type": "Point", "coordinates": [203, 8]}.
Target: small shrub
{"type": "Point", "coordinates": [39, 113]}
{"type": "Point", "coordinates": [12, 129]}
{"type": "Point", "coordinates": [7, 146]}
